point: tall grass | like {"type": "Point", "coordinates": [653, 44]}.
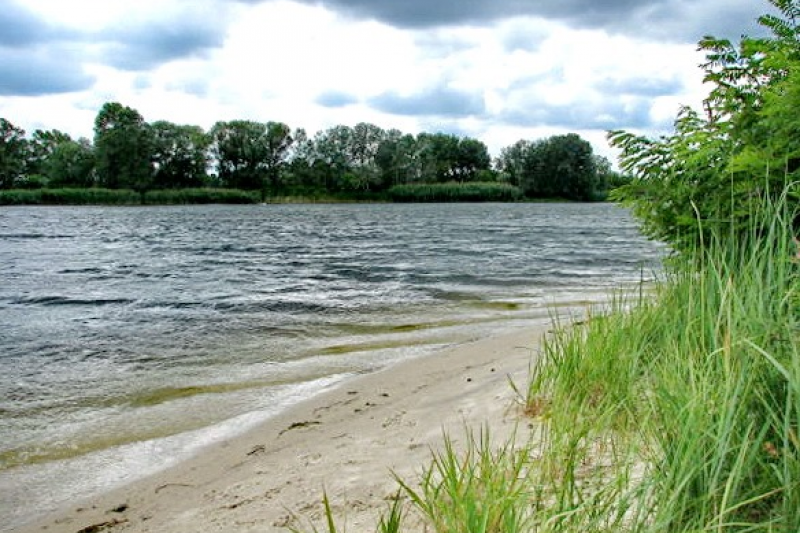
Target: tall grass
{"type": "Point", "coordinates": [700, 383]}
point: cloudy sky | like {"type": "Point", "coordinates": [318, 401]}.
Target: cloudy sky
{"type": "Point", "coordinates": [496, 70]}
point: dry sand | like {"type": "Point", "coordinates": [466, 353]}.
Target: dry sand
{"type": "Point", "coordinates": [347, 442]}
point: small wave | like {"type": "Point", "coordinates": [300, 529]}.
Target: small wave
{"type": "Point", "coordinates": [32, 236]}
{"type": "Point", "coordinates": [88, 270]}
{"type": "Point", "coordinates": [66, 300]}
{"type": "Point", "coordinates": [292, 307]}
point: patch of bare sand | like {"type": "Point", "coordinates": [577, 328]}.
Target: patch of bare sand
{"type": "Point", "coordinates": [347, 442]}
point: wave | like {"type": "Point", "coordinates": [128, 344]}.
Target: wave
{"type": "Point", "coordinates": [67, 300]}
{"type": "Point", "coordinates": [32, 236]}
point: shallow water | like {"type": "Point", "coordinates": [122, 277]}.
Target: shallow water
{"type": "Point", "coordinates": [130, 337]}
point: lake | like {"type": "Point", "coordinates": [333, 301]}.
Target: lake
{"type": "Point", "coordinates": [131, 337]}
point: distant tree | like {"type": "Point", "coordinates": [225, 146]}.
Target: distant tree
{"type": "Point", "coordinates": [562, 166]}
{"type": "Point", "coordinates": [279, 141]}
{"type": "Point", "coordinates": [123, 148]}
{"type": "Point", "coordinates": [471, 160]}
{"type": "Point", "coordinates": [41, 146]}
{"type": "Point", "coordinates": [180, 155]}
{"type": "Point", "coordinates": [396, 158]}
{"type": "Point", "coordinates": [365, 141]}
{"type": "Point", "coordinates": [331, 156]}
{"type": "Point", "coordinates": [250, 155]}
{"type": "Point", "coordinates": [511, 163]}
{"type": "Point", "coordinates": [71, 164]}
{"type": "Point", "coordinates": [13, 154]}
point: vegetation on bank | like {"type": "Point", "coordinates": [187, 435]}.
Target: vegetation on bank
{"type": "Point", "coordinates": [456, 192]}
{"type": "Point", "coordinates": [271, 160]}
{"type": "Point", "coordinates": [98, 196]}
{"type": "Point", "coordinates": [677, 411]}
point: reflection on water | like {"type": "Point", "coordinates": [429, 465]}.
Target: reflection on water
{"type": "Point", "coordinates": [124, 325]}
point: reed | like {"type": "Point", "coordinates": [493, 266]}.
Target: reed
{"type": "Point", "coordinates": [200, 196]}
{"type": "Point", "coordinates": [699, 384]}
{"type": "Point", "coordinates": [92, 196]}
{"type": "Point", "coordinates": [456, 192]}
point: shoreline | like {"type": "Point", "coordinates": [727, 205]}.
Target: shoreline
{"type": "Point", "coordinates": [347, 441]}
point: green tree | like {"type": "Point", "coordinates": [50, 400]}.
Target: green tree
{"type": "Point", "coordinates": [511, 163]}
{"type": "Point", "coordinates": [250, 155]}
{"type": "Point", "coordinates": [279, 141]}
{"type": "Point", "coordinates": [180, 155]}
{"type": "Point", "coordinates": [330, 157]}
{"type": "Point", "coordinates": [561, 166]}
{"type": "Point", "coordinates": [362, 152]}
{"type": "Point", "coordinates": [472, 159]}
{"type": "Point", "coordinates": [716, 165]}
{"type": "Point", "coordinates": [41, 147]}
{"type": "Point", "coordinates": [123, 148]}
{"type": "Point", "coordinates": [396, 159]}
{"type": "Point", "coordinates": [71, 164]}
{"type": "Point", "coordinates": [13, 154]}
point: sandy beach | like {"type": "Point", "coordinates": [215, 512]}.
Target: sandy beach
{"type": "Point", "coordinates": [347, 442]}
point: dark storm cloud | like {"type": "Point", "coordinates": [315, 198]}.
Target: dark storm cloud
{"type": "Point", "coordinates": [674, 20]}
{"type": "Point", "coordinates": [38, 58]}
{"type": "Point", "coordinates": [441, 101]}
{"type": "Point", "coordinates": [37, 73]}
{"type": "Point", "coordinates": [150, 44]}
{"type": "Point", "coordinates": [20, 28]}
{"type": "Point", "coordinates": [334, 99]}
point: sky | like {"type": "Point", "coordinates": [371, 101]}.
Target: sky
{"type": "Point", "coordinates": [495, 70]}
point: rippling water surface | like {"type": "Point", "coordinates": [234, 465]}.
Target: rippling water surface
{"type": "Point", "coordinates": [129, 337]}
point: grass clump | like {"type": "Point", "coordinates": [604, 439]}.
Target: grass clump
{"type": "Point", "coordinates": [483, 489]}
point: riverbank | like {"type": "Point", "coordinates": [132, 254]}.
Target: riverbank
{"type": "Point", "coordinates": [347, 441]}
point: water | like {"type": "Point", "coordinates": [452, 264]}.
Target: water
{"type": "Point", "coordinates": [130, 337]}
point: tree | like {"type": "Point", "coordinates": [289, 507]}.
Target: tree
{"type": "Point", "coordinates": [250, 155]}
{"type": "Point", "coordinates": [396, 159]}
{"type": "Point", "coordinates": [561, 166]}
{"type": "Point", "coordinates": [471, 160]}
{"type": "Point", "coordinates": [13, 154]}
{"type": "Point", "coordinates": [180, 155]}
{"type": "Point", "coordinates": [511, 163]}
{"type": "Point", "coordinates": [71, 164]}
{"type": "Point", "coordinates": [41, 147]}
{"type": "Point", "coordinates": [279, 141]}
{"type": "Point", "coordinates": [745, 145]}
{"type": "Point", "coordinates": [123, 148]}
{"type": "Point", "coordinates": [365, 141]}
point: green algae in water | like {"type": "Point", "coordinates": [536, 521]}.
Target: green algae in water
{"type": "Point", "coordinates": [342, 349]}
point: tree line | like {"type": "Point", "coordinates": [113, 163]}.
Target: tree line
{"type": "Point", "coordinates": [272, 159]}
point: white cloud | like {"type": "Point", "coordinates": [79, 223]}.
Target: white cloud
{"type": "Point", "coordinates": [199, 61]}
